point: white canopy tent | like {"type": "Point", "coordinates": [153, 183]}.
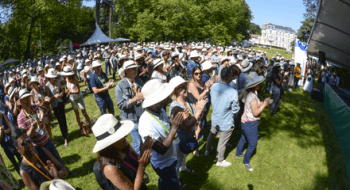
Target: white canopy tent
{"type": "Point", "coordinates": [331, 32]}
{"type": "Point", "coordinates": [98, 37]}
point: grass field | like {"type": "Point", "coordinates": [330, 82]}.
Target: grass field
{"type": "Point", "coordinates": [297, 149]}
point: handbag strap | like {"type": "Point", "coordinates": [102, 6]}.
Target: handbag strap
{"type": "Point", "coordinates": [42, 173]}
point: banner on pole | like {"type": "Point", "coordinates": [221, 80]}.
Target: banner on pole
{"type": "Point", "coordinates": [300, 56]}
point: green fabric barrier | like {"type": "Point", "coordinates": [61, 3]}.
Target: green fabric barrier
{"type": "Point", "coordinates": [339, 113]}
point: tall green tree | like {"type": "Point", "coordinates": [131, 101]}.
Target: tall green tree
{"type": "Point", "coordinates": [305, 30]}
{"type": "Point", "coordinates": [311, 8]}
{"type": "Point", "coordinates": [254, 29]}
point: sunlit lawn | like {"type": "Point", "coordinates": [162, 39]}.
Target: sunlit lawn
{"type": "Point", "coordinates": [297, 149]}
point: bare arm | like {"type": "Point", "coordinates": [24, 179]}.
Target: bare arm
{"type": "Point", "coordinates": [194, 91]}
{"type": "Point", "coordinates": [62, 171]}
{"type": "Point", "coordinates": [28, 181]}
{"type": "Point", "coordinates": [120, 181]}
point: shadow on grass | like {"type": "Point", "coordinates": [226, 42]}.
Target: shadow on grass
{"type": "Point", "coordinates": [71, 158]}
{"type": "Point", "coordinates": [84, 169]}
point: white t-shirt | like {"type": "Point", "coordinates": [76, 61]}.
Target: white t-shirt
{"type": "Point", "coordinates": [89, 73]}
{"type": "Point", "coordinates": [148, 125]}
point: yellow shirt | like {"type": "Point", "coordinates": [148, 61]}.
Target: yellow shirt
{"type": "Point", "coordinates": [297, 69]}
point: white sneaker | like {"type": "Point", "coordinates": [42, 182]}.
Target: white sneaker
{"type": "Point", "coordinates": [224, 163]}
{"type": "Point", "coordinates": [290, 90]}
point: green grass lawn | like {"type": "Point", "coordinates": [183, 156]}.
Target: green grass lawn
{"type": "Point", "coordinates": [297, 149]}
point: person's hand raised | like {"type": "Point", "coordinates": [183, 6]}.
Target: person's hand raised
{"type": "Point", "coordinates": [177, 120]}
{"type": "Point", "coordinates": [139, 95]}
{"type": "Point", "coordinates": [52, 169]}
{"type": "Point", "coordinates": [146, 156]}
{"type": "Point", "coordinates": [47, 99]}
{"type": "Point", "coordinates": [268, 101]}
{"type": "Point", "coordinates": [147, 145]}
{"type": "Point", "coordinates": [200, 105]}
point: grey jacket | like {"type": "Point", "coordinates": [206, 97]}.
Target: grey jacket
{"type": "Point", "coordinates": [123, 95]}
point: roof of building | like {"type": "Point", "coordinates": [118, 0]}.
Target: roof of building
{"type": "Point", "coordinates": [279, 27]}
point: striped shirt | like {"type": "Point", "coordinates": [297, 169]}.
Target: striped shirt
{"type": "Point", "coordinates": [24, 122]}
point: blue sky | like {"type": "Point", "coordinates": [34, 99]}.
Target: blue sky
{"type": "Point", "coordinates": [282, 12]}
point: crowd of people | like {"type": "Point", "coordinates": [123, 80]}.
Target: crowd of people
{"type": "Point", "coordinates": [192, 78]}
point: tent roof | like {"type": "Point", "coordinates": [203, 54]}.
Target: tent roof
{"type": "Point", "coordinates": [331, 32]}
{"type": "Point", "coordinates": [8, 61]}
{"type": "Point", "coordinates": [98, 37]}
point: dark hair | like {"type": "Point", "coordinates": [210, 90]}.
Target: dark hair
{"type": "Point", "coordinates": [18, 133]}
{"type": "Point", "coordinates": [275, 70]}
{"type": "Point", "coordinates": [109, 154]}
{"type": "Point", "coordinates": [226, 73]}
{"type": "Point", "coordinates": [252, 89]}
{"type": "Point", "coordinates": [235, 70]}
{"type": "Point", "coordinates": [166, 53]}
{"type": "Point", "coordinates": [194, 70]}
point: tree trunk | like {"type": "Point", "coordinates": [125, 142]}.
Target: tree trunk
{"type": "Point", "coordinates": [29, 39]}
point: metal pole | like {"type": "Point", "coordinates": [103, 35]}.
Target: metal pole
{"type": "Point", "coordinates": [110, 20]}
{"type": "Point", "coordinates": [97, 13]}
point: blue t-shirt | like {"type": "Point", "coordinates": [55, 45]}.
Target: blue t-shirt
{"type": "Point", "coordinates": [96, 80]}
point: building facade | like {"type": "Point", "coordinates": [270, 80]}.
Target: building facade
{"type": "Point", "coordinates": [276, 35]}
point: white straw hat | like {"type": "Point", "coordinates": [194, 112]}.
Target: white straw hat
{"type": "Point", "coordinates": [276, 64]}
{"type": "Point", "coordinates": [157, 62]}
{"type": "Point", "coordinates": [96, 63]}
{"type": "Point", "coordinates": [23, 93]}
{"type": "Point", "coordinates": [129, 65]}
{"type": "Point", "coordinates": [51, 73]}
{"type": "Point", "coordinates": [154, 91]}
{"type": "Point", "coordinates": [56, 184]}
{"type": "Point", "coordinates": [34, 79]}
{"type": "Point", "coordinates": [177, 81]}
{"type": "Point", "coordinates": [194, 54]}
{"type": "Point", "coordinates": [253, 79]}
{"type": "Point", "coordinates": [246, 65]}
{"type": "Point", "coordinates": [67, 71]}
{"type": "Point", "coordinates": [109, 130]}
{"type": "Point", "coordinates": [87, 60]}
{"type": "Point", "coordinates": [139, 56]}
{"type": "Point", "coordinates": [206, 65]}
{"type": "Point", "coordinates": [224, 58]}
{"type": "Point", "coordinates": [11, 91]}
{"type": "Point", "coordinates": [123, 57]}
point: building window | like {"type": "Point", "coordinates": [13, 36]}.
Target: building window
{"type": "Point", "coordinates": [282, 39]}
{"type": "Point", "coordinates": [276, 38]}
{"type": "Point", "coordinates": [270, 31]}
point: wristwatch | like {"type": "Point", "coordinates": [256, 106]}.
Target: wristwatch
{"type": "Point", "coordinates": [207, 90]}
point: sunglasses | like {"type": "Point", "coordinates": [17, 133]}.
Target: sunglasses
{"type": "Point", "coordinates": [198, 73]}
{"type": "Point", "coordinates": [26, 142]}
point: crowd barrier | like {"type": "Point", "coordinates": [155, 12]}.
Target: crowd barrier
{"type": "Point", "coordinates": [339, 113]}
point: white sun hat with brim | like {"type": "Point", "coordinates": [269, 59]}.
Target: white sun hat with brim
{"type": "Point", "coordinates": [23, 93]}
{"type": "Point", "coordinates": [109, 130]}
{"type": "Point", "coordinates": [174, 54]}
{"type": "Point", "coordinates": [87, 60]}
{"type": "Point", "coordinates": [154, 91]}
{"type": "Point", "coordinates": [11, 91]}
{"type": "Point", "coordinates": [194, 54]}
{"type": "Point", "coordinates": [51, 73]}
{"type": "Point", "coordinates": [25, 71]}
{"type": "Point", "coordinates": [129, 65]}
{"type": "Point", "coordinates": [11, 80]}
{"type": "Point", "coordinates": [56, 184]}
{"type": "Point", "coordinates": [206, 65]}
{"type": "Point", "coordinates": [177, 81]}
{"type": "Point", "coordinates": [246, 65]}
{"type": "Point", "coordinates": [61, 59]}
{"type": "Point", "coordinates": [224, 58]}
{"type": "Point", "coordinates": [7, 85]}
{"type": "Point", "coordinates": [276, 64]}
{"type": "Point", "coordinates": [157, 62]}
{"type": "Point", "coordinates": [139, 56]}
{"type": "Point", "coordinates": [253, 79]}
{"type": "Point", "coordinates": [34, 79]}
{"type": "Point", "coordinates": [24, 75]}
{"type": "Point", "coordinates": [96, 63]}
{"type": "Point", "coordinates": [67, 71]}
{"type": "Point", "coordinates": [47, 65]}
{"type": "Point", "coordinates": [123, 57]}
{"type": "Point", "coordinates": [138, 48]}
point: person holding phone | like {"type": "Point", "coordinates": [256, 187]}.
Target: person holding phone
{"type": "Point", "coordinates": [277, 90]}
{"type": "Point", "coordinates": [250, 118]}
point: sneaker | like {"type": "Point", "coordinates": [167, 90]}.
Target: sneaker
{"type": "Point", "coordinates": [224, 163]}
{"type": "Point", "coordinates": [208, 152]}
{"type": "Point", "coordinates": [86, 90]}
{"type": "Point", "coordinates": [290, 90]}
{"type": "Point", "coordinates": [240, 156]}
{"type": "Point", "coordinates": [248, 167]}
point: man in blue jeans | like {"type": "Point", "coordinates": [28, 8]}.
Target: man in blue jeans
{"type": "Point", "coordinates": [100, 84]}
{"type": "Point", "coordinates": [128, 96]}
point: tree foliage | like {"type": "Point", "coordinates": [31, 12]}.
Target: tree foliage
{"type": "Point", "coordinates": [305, 29]}
{"type": "Point", "coordinates": [221, 21]}
{"type": "Point", "coordinates": [254, 29]}
{"type": "Point", "coordinates": [311, 8]}
{"type": "Point", "coordinates": [53, 20]}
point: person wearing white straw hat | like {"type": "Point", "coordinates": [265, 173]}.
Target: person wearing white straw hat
{"type": "Point", "coordinates": [41, 97]}
{"type": "Point", "coordinates": [193, 62]}
{"type": "Point", "coordinates": [129, 99]}
{"type": "Point", "coordinates": [100, 85]}
{"type": "Point", "coordinates": [39, 164]}
{"type": "Point", "coordinates": [87, 74]}
{"type": "Point", "coordinates": [56, 184]}
{"type": "Point", "coordinates": [246, 66]}
{"type": "Point", "coordinates": [57, 103]}
{"type": "Point", "coordinates": [25, 82]}
{"type": "Point", "coordinates": [224, 62]}
{"type": "Point", "coordinates": [106, 55]}
{"type": "Point", "coordinates": [224, 101]}
{"type": "Point", "coordinates": [276, 87]}
{"type": "Point", "coordinates": [158, 72]}
{"type": "Point", "coordinates": [188, 143]}
{"type": "Point", "coordinates": [76, 97]}
{"type": "Point", "coordinates": [80, 65]}
{"type": "Point", "coordinates": [118, 166]}
{"type": "Point", "coordinates": [250, 118]}
{"type": "Point", "coordinates": [113, 61]}
{"type": "Point", "coordinates": [155, 122]}
{"type": "Point", "coordinates": [177, 68]}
